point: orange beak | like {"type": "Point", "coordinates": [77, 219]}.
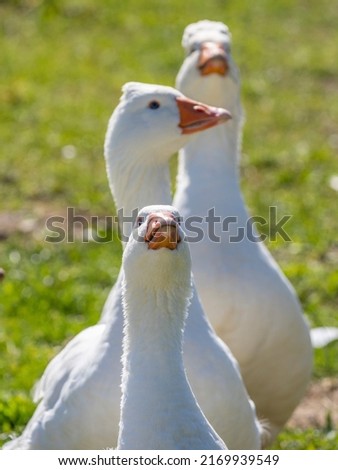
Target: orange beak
{"type": "Point", "coordinates": [195, 116]}
{"type": "Point", "coordinates": [213, 59]}
{"type": "Point", "coordinates": [162, 231]}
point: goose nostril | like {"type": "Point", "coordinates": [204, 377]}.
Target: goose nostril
{"type": "Point", "coordinates": [154, 223]}
{"type": "Point", "coordinates": [201, 109]}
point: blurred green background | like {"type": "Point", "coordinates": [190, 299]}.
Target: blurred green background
{"type": "Point", "coordinates": [62, 65]}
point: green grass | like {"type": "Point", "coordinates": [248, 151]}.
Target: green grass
{"type": "Point", "coordinates": [62, 65]}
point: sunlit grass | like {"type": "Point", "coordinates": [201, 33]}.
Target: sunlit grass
{"type": "Point", "coordinates": [62, 65]}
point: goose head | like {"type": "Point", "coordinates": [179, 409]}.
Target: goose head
{"type": "Point", "coordinates": [209, 72]}
{"type": "Point", "coordinates": [157, 256]}
{"type": "Point", "coordinates": [155, 120]}
{"type": "Point", "coordinates": [150, 123]}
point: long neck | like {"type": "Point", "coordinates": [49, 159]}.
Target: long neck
{"type": "Point", "coordinates": [136, 185]}
{"type": "Point", "coordinates": [153, 378]}
{"type": "Point", "coordinates": [153, 333]}
{"type": "Point", "coordinates": [208, 174]}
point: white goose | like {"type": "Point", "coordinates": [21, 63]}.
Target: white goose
{"type": "Point", "coordinates": [158, 408]}
{"type": "Point", "coordinates": [323, 336]}
{"type": "Point", "coordinates": [211, 369]}
{"type": "Point", "coordinates": [79, 392]}
{"type": "Point", "coordinates": [249, 301]}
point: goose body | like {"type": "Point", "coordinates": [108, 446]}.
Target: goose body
{"type": "Point", "coordinates": [79, 393]}
{"type": "Point", "coordinates": [158, 407]}
{"type": "Point", "coordinates": [249, 301]}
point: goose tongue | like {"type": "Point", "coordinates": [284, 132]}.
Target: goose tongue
{"type": "Point", "coordinates": [213, 59]}
{"type": "Point", "coordinates": [162, 231]}
{"type": "Point", "coordinates": [195, 116]}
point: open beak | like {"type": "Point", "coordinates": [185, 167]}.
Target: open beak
{"type": "Point", "coordinates": [213, 59]}
{"type": "Point", "coordinates": [195, 116]}
{"type": "Point", "coordinates": [162, 231]}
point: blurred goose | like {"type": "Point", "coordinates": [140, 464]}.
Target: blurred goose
{"type": "Point", "coordinates": [323, 336]}
{"type": "Point", "coordinates": [158, 408]}
{"type": "Point", "coordinates": [249, 301]}
{"type": "Point", "coordinates": [141, 177]}
{"type": "Point", "coordinates": [79, 393]}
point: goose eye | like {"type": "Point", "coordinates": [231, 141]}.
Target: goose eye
{"type": "Point", "coordinates": [193, 49]}
{"type": "Point", "coordinates": [139, 221]}
{"type": "Point", "coordinates": [154, 105]}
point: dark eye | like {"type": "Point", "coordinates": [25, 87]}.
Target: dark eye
{"type": "Point", "coordinates": [193, 48]}
{"type": "Point", "coordinates": [139, 221]}
{"type": "Point", "coordinates": [179, 220]}
{"type": "Point", "coordinates": [154, 105]}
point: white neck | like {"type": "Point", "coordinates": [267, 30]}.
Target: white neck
{"type": "Point", "coordinates": [208, 175]}
{"type": "Point", "coordinates": [153, 379]}
{"type": "Point", "coordinates": [157, 324]}
{"type": "Point", "coordinates": [136, 185]}
{"type": "Point", "coordinates": [158, 408]}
